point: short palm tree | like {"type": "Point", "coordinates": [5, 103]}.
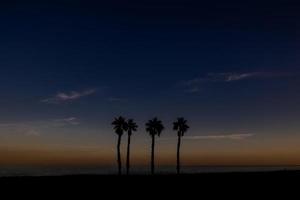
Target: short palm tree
{"type": "Point", "coordinates": [154, 127]}
{"type": "Point", "coordinates": [120, 126]}
{"type": "Point", "coordinates": [181, 127]}
{"type": "Point", "coordinates": [131, 127]}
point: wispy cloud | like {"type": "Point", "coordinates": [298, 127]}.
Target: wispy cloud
{"type": "Point", "coordinates": [4, 125]}
{"type": "Point", "coordinates": [220, 137]}
{"type": "Point", "coordinates": [19, 129]}
{"type": "Point", "coordinates": [216, 137]}
{"type": "Point", "coordinates": [66, 121]}
{"type": "Point", "coordinates": [64, 97]}
{"type": "Point", "coordinates": [194, 85]}
{"type": "Point", "coordinates": [192, 89]}
{"type": "Point", "coordinates": [230, 77]}
{"type": "Point", "coordinates": [35, 128]}
{"type": "Point", "coordinates": [32, 132]}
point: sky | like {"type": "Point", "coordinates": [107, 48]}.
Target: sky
{"type": "Point", "coordinates": [67, 68]}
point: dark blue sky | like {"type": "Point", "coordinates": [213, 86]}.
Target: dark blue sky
{"type": "Point", "coordinates": [227, 67]}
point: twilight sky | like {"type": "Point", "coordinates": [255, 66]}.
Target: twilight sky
{"type": "Point", "coordinates": [68, 67]}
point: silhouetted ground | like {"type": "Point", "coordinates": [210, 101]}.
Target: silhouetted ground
{"type": "Point", "coordinates": [142, 186]}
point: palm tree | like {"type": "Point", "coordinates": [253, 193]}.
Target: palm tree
{"type": "Point", "coordinates": [131, 127]}
{"type": "Point", "coordinates": [120, 126]}
{"type": "Point", "coordinates": [154, 127]}
{"type": "Point", "coordinates": [181, 127]}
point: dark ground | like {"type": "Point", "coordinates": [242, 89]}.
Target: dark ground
{"type": "Point", "coordinates": [238, 185]}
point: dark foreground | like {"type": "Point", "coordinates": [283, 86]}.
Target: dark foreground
{"type": "Point", "coordinates": [213, 184]}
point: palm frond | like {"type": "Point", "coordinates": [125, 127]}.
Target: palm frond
{"type": "Point", "coordinates": [120, 125]}
{"type": "Point", "coordinates": [131, 125]}
{"type": "Point", "coordinates": [181, 126]}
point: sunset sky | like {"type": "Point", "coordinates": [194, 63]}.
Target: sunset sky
{"type": "Point", "coordinates": [231, 69]}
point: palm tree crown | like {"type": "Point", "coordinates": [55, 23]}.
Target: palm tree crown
{"type": "Point", "coordinates": [181, 126]}
{"type": "Point", "coordinates": [131, 126]}
{"type": "Point", "coordinates": [154, 127]}
{"type": "Point", "coordinates": [120, 125]}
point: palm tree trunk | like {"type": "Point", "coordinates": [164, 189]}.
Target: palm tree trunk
{"type": "Point", "coordinates": [152, 155]}
{"type": "Point", "coordinates": [119, 155]}
{"type": "Point", "coordinates": [128, 155]}
{"type": "Point", "coordinates": [178, 154]}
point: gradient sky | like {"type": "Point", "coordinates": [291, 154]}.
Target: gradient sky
{"type": "Point", "coordinates": [67, 68]}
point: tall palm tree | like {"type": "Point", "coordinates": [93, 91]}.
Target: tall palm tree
{"type": "Point", "coordinates": [120, 126]}
{"type": "Point", "coordinates": [154, 127]}
{"type": "Point", "coordinates": [131, 127]}
{"type": "Point", "coordinates": [181, 127]}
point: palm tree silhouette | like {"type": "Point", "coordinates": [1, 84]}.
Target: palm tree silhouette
{"type": "Point", "coordinates": [131, 127]}
{"type": "Point", "coordinates": [181, 127]}
{"type": "Point", "coordinates": [154, 127]}
{"type": "Point", "coordinates": [120, 126]}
